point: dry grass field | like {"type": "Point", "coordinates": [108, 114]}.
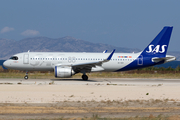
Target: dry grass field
{"type": "Point", "coordinates": [165, 73]}
{"type": "Point", "coordinates": [92, 110]}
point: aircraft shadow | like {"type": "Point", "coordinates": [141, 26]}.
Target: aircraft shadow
{"type": "Point", "coordinates": [74, 80]}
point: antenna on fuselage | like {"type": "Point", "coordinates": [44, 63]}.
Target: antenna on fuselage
{"type": "Point", "coordinates": [28, 50]}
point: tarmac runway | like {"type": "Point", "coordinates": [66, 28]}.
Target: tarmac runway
{"type": "Point", "coordinates": [108, 97]}
{"type": "Point", "coordinates": [98, 89]}
{"type": "Point", "coordinates": [94, 81]}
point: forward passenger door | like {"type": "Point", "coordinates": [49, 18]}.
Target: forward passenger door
{"type": "Point", "coordinates": [26, 59]}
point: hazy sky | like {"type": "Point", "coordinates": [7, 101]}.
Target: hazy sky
{"type": "Point", "coordinates": [123, 23]}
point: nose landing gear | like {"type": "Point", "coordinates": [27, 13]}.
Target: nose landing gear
{"type": "Point", "coordinates": [26, 76]}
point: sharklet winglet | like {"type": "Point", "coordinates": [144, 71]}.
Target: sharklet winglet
{"type": "Point", "coordinates": [110, 56]}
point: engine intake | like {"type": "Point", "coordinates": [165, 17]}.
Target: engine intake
{"type": "Point", "coordinates": [65, 72]}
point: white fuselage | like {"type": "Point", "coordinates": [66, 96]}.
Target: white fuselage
{"type": "Point", "coordinates": [46, 61]}
{"type": "Point", "coordinates": [67, 64]}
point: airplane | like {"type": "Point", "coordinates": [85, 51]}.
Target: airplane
{"type": "Point", "coordinates": [66, 64]}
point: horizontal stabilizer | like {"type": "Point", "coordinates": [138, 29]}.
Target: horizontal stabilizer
{"type": "Point", "coordinates": [168, 58]}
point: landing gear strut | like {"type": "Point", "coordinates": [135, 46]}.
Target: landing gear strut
{"type": "Point", "coordinates": [26, 76]}
{"type": "Point", "coordinates": [84, 77]}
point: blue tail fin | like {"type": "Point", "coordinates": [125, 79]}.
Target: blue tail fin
{"type": "Point", "coordinates": [158, 47]}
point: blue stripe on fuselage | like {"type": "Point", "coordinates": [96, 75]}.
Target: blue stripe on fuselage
{"type": "Point", "coordinates": [134, 65]}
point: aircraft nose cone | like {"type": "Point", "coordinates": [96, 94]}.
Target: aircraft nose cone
{"type": "Point", "coordinates": [6, 64]}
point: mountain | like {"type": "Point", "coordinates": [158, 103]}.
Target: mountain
{"type": "Point", "coordinates": [65, 44]}
{"type": "Point", "coordinates": [45, 44]}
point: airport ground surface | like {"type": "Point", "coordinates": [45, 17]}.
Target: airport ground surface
{"type": "Point", "coordinates": [107, 97]}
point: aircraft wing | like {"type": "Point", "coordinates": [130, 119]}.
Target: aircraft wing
{"type": "Point", "coordinates": [105, 51]}
{"type": "Point", "coordinates": [88, 66]}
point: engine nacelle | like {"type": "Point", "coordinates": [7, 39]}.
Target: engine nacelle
{"type": "Point", "coordinates": [65, 72]}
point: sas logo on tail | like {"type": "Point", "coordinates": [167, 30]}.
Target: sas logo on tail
{"type": "Point", "coordinates": [156, 49]}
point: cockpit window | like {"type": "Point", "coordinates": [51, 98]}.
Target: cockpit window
{"type": "Point", "coordinates": [14, 58]}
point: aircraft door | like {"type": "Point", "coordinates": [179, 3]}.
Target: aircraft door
{"type": "Point", "coordinates": [69, 59]}
{"type": "Point", "coordinates": [73, 59]}
{"type": "Point", "coordinates": [140, 60]}
{"type": "Point", "coordinates": [26, 59]}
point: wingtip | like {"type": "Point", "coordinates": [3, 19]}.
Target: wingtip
{"type": "Point", "coordinates": [110, 56]}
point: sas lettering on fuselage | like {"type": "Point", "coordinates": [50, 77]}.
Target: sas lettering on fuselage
{"type": "Point", "coordinates": [156, 49]}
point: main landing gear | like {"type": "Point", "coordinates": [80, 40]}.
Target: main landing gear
{"type": "Point", "coordinates": [26, 76]}
{"type": "Point", "coordinates": [84, 77]}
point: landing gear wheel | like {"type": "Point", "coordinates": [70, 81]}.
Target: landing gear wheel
{"type": "Point", "coordinates": [26, 77]}
{"type": "Point", "coordinates": [84, 77]}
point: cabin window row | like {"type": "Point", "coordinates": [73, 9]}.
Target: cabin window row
{"type": "Point", "coordinates": [80, 59]}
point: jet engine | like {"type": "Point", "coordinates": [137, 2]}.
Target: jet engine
{"type": "Point", "coordinates": [63, 72]}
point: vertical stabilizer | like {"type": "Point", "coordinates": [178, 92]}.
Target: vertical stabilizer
{"type": "Point", "coordinates": [158, 47]}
